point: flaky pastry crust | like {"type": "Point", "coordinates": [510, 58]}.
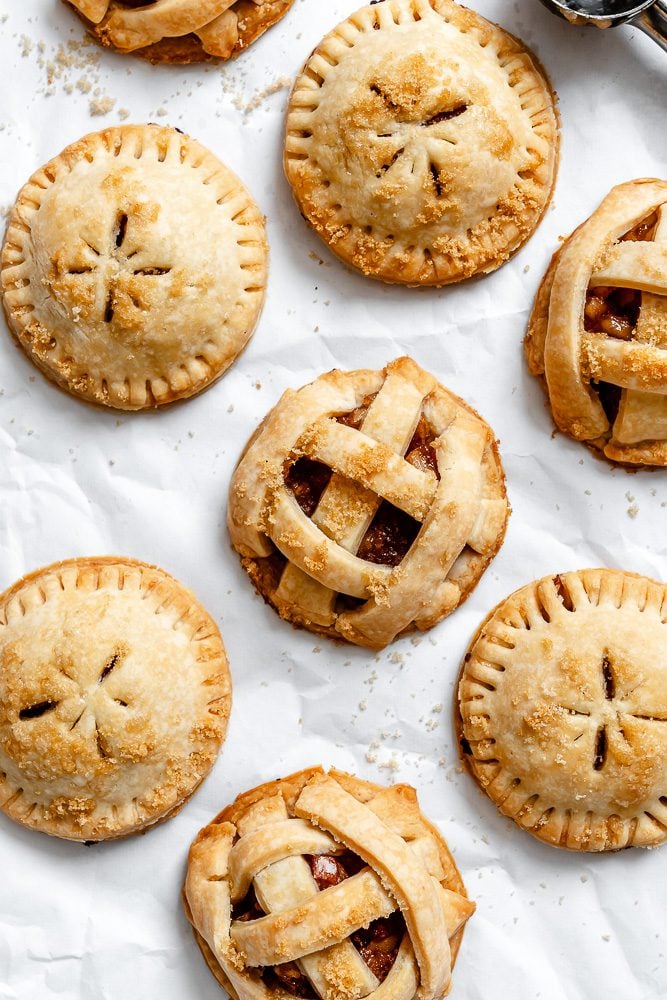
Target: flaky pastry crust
{"type": "Point", "coordinates": [422, 142]}
{"type": "Point", "coordinates": [180, 31]}
{"type": "Point", "coordinates": [563, 709]}
{"type": "Point", "coordinates": [261, 844]}
{"type": "Point", "coordinates": [598, 331]}
{"type": "Point", "coordinates": [398, 534]}
{"type": "Point", "coordinates": [134, 267]}
{"type": "Point", "coordinates": [114, 698]}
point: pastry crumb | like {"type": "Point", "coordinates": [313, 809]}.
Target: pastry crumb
{"type": "Point", "coordinates": [100, 106]}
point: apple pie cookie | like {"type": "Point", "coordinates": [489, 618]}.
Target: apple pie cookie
{"type": "Point", "coordinates": [134, 267]}
{"type": "Point", "coordinates": [598, 332]}
{"type": "Point", "coordinates": [180, 31]}
{"type": "Point", "coordinates": [422, 142]}
{"type": "Point", "coordinates": [323, 885]}
{"type": "Point", "coordinates": [114, 698]}
{"type": "Point", "coordinates": [368, 503]}
{"type": "Point", "coordinates": [563, 709]}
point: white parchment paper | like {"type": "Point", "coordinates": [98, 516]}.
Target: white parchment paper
{"type": "Point", "coordinates": [105, 923]}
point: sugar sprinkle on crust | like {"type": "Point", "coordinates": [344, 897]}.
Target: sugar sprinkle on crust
{"type": "Point", "coordinates": [134, 267]}
{"type": "Point", "coordinates": [422, 142]}
{"type": "Point", "coordinates": [114, 698]}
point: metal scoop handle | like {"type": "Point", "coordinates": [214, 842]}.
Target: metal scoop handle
{"type": "Point", "coordinates": [653, 22]}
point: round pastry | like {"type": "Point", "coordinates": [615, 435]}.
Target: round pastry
{"type": "Point", "coordinates": [422, 142]}
{"type": "Point", "coordinates": [114, 698]}
{"type": "Point", "coordinates": [323, 885]}
{"type": "Point", "coordinates": [180, 31]}
{"type": "Point", "coordinates": [134, 267]}
{"type": "Point", "coordinates": [368, 503]}
{"type": "Point", "coordinates": [598, 332]}
{"type": "Point", "coordinates": [563, 709]}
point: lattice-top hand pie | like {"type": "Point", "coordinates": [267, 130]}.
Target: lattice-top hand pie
{"type": "Point", "coordinates": [368, 503]}
{"type": "Point", "coordinates": [134, 267]}
{"type": "Point", "coordinates": [598, 332]}
{"type": "Point", "coordinates": [180, 31]}
{"type": "Point", "coordinates": [422, 142]}
{"type": "Point", "coordinates": [563, 709]}
{"type": "Point", "coordinates": [326, 886]}
{"type": "Point", "coordinates": [114, 698]}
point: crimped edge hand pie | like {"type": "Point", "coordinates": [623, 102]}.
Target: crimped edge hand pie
{"type": "Point", "coordinates": [306, 873]}
{"type": "Point", "coordinates": [563, 709]}
{"type": "Point", "coordinates": [598, 332]}
{"type": "Point", "coordinates": [134, 267]}
{"type": "Point", "coordinates": [422, 142]}
{"type": "Point", "coordinates": [114, 698]}
{"type": "Point", "coordinates": [180, 31]}
{"type": "Point", "coordinates": [368, 503]}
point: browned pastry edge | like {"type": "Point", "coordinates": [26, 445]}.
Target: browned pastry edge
{"type": "Point", "coordinates": [295, 783]}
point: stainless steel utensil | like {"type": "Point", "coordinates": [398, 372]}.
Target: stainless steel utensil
{"type": "Point", "coordinates": [650, 16]}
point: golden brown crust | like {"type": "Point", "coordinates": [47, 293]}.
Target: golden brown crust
{"type": "Point", "coordinates": [244, 22]}
{"type": "Point", "coordinates": [607, 386]}
{"type": "Point", "coordinates": [318, 564]}
{"type": "Point", "coordinates": [562, 709]}
{"type": "Point", "coordinates": [422, 142]}
{"type": "Point", "coordinates": [223, 848]}
{"type": "Point", "coordinates": [114, 698]}
{"type": "Point", "coordinates": [134, 267]}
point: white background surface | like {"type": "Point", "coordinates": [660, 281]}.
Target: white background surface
{"type": "Point", "coordinates": [105, 923]}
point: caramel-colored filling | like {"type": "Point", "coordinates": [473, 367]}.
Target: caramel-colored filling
{"type": "Point", "coordinates": [307, 480]}
{"type": "Point", "coordinates": [613, 311]}
{"type": "Point", "coordinates": [378, 945]}
{"type": "Point", "coordinates": [289, 978]}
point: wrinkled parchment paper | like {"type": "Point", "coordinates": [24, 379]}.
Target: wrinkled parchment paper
{"type": "Point", "coordinates": [105, 922]}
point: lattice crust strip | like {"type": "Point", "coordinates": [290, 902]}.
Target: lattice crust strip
{"type": "Point", "coordinates": [575, 360]}
{"type": "Point", "coordinates": [460, 504]}
{"type": "Point", "coordinates": [407, 868]}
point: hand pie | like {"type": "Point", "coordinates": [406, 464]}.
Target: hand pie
{"type": "Point", "coordinates": [368, 503]}
{"type": "Point", "coordinates": [322, 885]}
{"type": "Point", "coordinates": [598, 332]}
{"type": "Point", "coordinates": [563, 709]}
{"type": "Point", "coordinates": [114, 698]}
{"type": "Point", "coordinates": [422, 142]}
{"type": "Point", "coordinates": [180, 31]}
{"type": "Point", "coordinates": [134, 267]}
